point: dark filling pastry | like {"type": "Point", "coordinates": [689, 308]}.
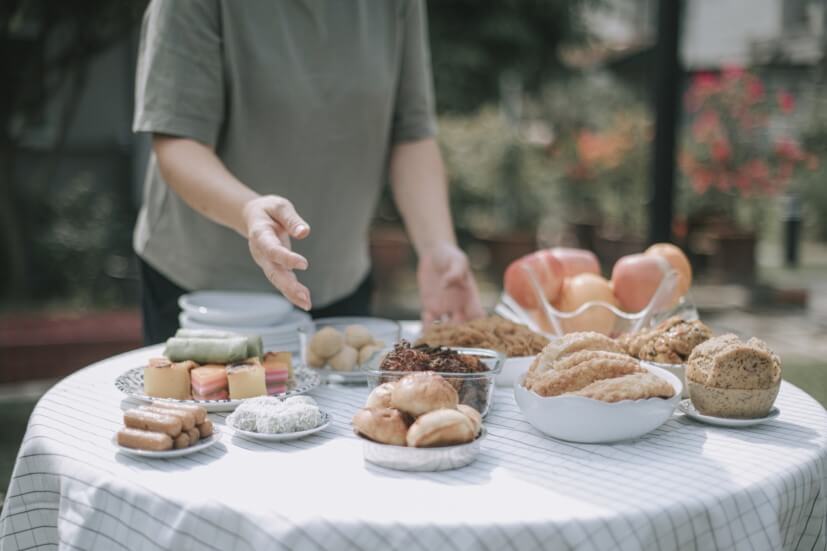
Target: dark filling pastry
{"type": "Point", "coordinates": [406, 358]}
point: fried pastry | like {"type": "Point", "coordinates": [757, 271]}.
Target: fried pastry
{"type": "Point", "coordinates": [604, 365]}
{"type": "Point", "coordinates": [671, 342]}
{"type": "Point", "coordinates": [637, 386]}
{"type": "Point", "coordinates": [567, 345]}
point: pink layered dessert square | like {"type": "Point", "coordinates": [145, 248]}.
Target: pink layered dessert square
{"type": "Point", "coordinates": [209, 382]}
{"type": "Point", "coordinates": [276, 375]}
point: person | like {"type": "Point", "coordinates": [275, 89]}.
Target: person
{"type": "Point", "coordinates": [278, 123]}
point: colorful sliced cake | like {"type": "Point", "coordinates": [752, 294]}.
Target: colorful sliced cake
{"type": "Point", "coordinates": [165, 379]}
{"type": "Point", "coordinates": [277, 371]}
{"type": "Point", "coordinates": [209, 382]}
{"type": "Point", "coordinates": [246, 380]}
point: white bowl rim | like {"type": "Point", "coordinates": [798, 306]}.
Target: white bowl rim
{"type": "Point", "coordinates": [413, 449]}
{"type": "Point", "coordinates": [660, 372]}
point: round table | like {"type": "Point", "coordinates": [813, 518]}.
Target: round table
{"type": "Point", "coordinates": [683, 486]}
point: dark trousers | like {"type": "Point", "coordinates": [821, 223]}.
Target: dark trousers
{"type": "Point", "coordinates": [159, 304]}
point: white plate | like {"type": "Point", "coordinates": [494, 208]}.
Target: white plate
{"type": "Point", "coordinates": [131, 383]}
{"type": "Point", "coordinates": [581, 419]}
{"type": "Point", "coordinates": [202, 444]}
{"type": "Point", "coordinates": [688, 408]}
{"type": "Point", "coordinates": [236, 308]}
{"type": "Point", "coordinates": [404, 458]}
{"type": "Point", "coordinates": [513, 369]}
{"type": "Point", "coordinates": [286, 328]}
{"type": "Point", "coordinates": [284, 436]}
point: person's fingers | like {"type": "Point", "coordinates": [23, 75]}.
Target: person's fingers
{"type": "Point", "coordinates": [265, 239]}
{"type": "Point", "coordinates": [456, 272]}
{"type": "Point", "coordinates": [286, 282]}
{"type": "Point", "coordinates": [427, 317]}
{"type": "Point", "coordinates": [283, 212]}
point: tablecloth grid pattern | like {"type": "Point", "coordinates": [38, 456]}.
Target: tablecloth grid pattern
{"type": "Point", "coordinates": [70, 490]}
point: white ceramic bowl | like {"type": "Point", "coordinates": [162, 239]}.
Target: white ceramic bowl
{"type": "Point", "coordinates": [403, 458]}
{"type": "Point", "coordinates": [235, 307]}
{"type": "Point", "coordinates": [678, 370]}
{"type": "Point", "coordinates": [513, 368]}
{"type": "Point", "coordinates": [285, 329]}
{"type": "Point", "coordinates": [588, 421]}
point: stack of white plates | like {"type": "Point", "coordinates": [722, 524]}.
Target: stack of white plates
{"type": "Point", "coordinates": [266, 314]}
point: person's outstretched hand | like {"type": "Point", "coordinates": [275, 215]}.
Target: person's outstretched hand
{"type": "Point", "coordinates": [446, 286]}
{"type": "Point", "coordinates": [271, 221]}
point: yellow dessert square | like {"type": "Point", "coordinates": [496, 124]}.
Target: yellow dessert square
{"type": "Point", "coordinates": [168, 381]}
{"type": "Point", "coordinates": [246, 381]}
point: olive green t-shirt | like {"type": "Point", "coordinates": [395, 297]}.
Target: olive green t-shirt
{"type": "Point", "coordinates": [300, 98]}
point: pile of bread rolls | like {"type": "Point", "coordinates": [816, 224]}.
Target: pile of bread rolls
{"type": "Point", "coordinates": [419, 410]}
{"type": "Point", "coordinates": [163, 426]}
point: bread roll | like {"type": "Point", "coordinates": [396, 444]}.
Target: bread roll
{"type": "Point", "coordinates": [383, 425]}
{"type": "Point", "coordinates": [357, 336]}
{"type": "Point", "coordinates": [327, 342]}
{"type": "Point", "coordinates": [442, 427]}
{"type": "Point", "coordinates": [345, 359]}
{"type": "Point", "coordinates": [421, 392]}
{"type": "Point", "coordinates": [380, 397]}
{"type": "Point", "coordinates": [473, 416]}
{"type": "Point", "coordinates": [313, 359]}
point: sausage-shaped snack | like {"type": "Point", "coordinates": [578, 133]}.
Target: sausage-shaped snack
{"type": "Point", "coordinates": [199, 412]}
{"type": "Point", "coordinates": [144, 440]}
{"type": "Point", "coordinates": [182, 441]}
{"type": "Point", "coordinates": [205, 429]}
{"type": "Point", "coordinates": [194, 436]}
{"type": "Point", "coordinates": [187, 417]}
{"type": "Point", "coordinates": [156, 422]}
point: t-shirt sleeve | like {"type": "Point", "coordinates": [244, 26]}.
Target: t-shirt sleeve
{"type": "Point", "coordinates": [414, 117]}
{"type": "Point", "coordinates": [179, 86]}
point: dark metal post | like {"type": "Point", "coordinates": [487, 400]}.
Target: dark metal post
{"type": "Point", "coordinates": [667, 101]}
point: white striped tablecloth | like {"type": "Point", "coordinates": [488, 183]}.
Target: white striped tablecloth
{"type": "Point", "coordinates": [685, 486]}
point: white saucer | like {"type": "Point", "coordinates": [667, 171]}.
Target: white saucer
{"type": "Point", "coordinates": [238, 308]}
{"type": "Point", "coordinates": [202, 444]}
{"type": "Point", "coordinates": [688, 408]}
{"type": "Point", "coordinates": [284, 436]}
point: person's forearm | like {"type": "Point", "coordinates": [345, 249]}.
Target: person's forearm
{"type": "Point", "coordinates": [421, 193]}
{"type": "Point", "coordinates": [199, 177]}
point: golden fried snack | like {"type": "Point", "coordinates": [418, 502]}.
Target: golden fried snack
{"type": "Point", "coordinates": [155, 422]}
{"type": "Point", "coordinates": [637, 386]}
{"type": "Point", "coordinates": [144, 440]}
{"type": "Point", "coordinates": [181, 441]}
{"type": "Point", "coordinates": [567, 345]}
{"type": "Point", "coordinates": [187, 417]}
{"type": "Point", "coordinates": [441, 427]}
{"type": "Point", "coordinates": [671, 342]}
{"type": "Point", "coordinates": [604, 366]}
{"type": "Point", "coordinates": [492, 332]}
{"type": "Point", "coordinates": [199, 412]}
{"type": "Point", "coordinates": [421, 392]}
{"type": "Point", "coordinates": [473, 416]}
{"type": "Point", "coordinates": [205, 429]}
{"type": "Point", "coordinates": [380, 397]}
{"type": "Point", "coordinates": [383, 425]}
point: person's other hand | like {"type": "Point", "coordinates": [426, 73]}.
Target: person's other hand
{"type": "Point", "coordinates": [446, 286]}
{"type": "Point", "coordinates": [271, 221]}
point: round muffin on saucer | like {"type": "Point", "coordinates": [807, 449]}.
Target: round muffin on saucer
{"type": "Point", "coordinates": [727, 377]}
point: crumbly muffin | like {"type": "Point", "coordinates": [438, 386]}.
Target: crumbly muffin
{"type": "Point", "coordinates": [727, 377]}
{"type": "Point", "coordinates": [671, 342]}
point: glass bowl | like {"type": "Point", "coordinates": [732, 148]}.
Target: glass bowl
{"type": "Point", "coordinates": [474, 389]}
{"type": "Point", "coordinates": [384, 331]}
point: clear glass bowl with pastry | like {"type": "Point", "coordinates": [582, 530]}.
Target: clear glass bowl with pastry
{"type": "Point", "coordinates": [339, 347]}
{"type": "Point", "coordinates": [471, 371]}
{"type": "Point", "coordinates": [585, 388]}
{"type": "Point", "coordinates": [416, 423]}
{"type": "Point", "coordinates": [516, 341]}
{"type": "Point", "coordinates": [667, 345]}
{"type": "Point", "coordinates": [731, 378]}
{"type": "Point", "coordinates": [559, 291]}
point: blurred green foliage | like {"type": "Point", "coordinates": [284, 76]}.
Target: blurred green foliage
{"type": "Point", "coordinates": [473, 43]}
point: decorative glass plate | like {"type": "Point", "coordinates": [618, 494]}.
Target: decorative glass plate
{"type": "Point", "coordinates": [282, 436]}
{"type": "Point", "coordinates": [131, 383]}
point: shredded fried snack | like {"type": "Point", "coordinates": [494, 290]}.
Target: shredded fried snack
{"type": "Point", "coordinates": [493, 332]}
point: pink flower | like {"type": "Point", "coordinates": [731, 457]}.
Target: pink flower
{"type": "Point", "coordinates": [755, 90]}
{"type": "Point", "coordinates": [786, 102]}
{"type": "Point", "coordinates": [733, 72]}
{"type": "Point", "coordinates": [721, 150]}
